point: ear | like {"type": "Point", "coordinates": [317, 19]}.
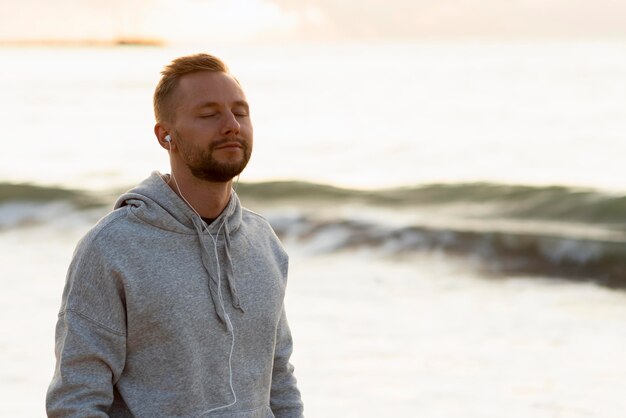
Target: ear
{"type": "Point", "coordinates": [161, 131]}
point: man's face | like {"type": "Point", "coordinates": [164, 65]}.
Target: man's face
{"type": "Point", "coordinates": [212, 127]}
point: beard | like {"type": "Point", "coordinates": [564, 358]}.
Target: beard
{"type": "Point", "coordinates": [204, 166]}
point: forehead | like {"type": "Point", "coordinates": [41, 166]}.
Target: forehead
{"type": "Point", "coordinates": [207, 86]}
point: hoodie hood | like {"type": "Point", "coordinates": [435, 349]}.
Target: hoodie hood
{"type": "Point", "coordinates": [153, 201]}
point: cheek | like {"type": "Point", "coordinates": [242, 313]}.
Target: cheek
{"type": "Point", "coordinates": [248, 130]}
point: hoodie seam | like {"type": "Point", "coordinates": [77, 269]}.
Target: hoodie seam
{"type": "Point", "coordinates": [92, 247]}
{"type": "Point", "coordinates": [92, 321]}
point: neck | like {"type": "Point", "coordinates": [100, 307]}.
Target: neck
{"type": "Point", "coordinates": [207, 198]}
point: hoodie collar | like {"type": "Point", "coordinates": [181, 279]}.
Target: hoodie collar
{"type": "Point", "coordinates": [154, 202]}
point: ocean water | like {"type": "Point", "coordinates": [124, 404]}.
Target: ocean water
{"type": "Point", "coordinates": [357, 115]}
{"type": "Point", "coordinates": [455, 214]}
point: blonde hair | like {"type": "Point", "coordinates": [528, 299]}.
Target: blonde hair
{"type": "Point", "coordinates": [171, 74]}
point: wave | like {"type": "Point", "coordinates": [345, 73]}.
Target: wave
{"type": "Point", "coordinates": [517, 201]}
{"type": "Point", "coordinates": [25, 205]}
{"type": "Point", "coordinates": [31, 193]}
{"type": "Point", "coordinates": [561, 203]}
{"type": "Point", "coordinates": [546, 255]}
{"type": "Point", "coordinates": [548, 231]}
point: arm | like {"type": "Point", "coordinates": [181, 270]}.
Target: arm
{"type": "Point", "coordinates": [89, 359]}
{"type": "Point", "coordinates": [90, 345]}
{"type": "Point", "coordinates": [285, 400]}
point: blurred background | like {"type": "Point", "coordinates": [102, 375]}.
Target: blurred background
{"type": "Point", "coordinates": [447, 177]}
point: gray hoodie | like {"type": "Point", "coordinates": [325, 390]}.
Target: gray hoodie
{"type": "Point", "coordinates": [157, 312]}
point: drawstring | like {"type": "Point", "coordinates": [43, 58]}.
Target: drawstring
{"type": "Point", "coordinates": [214, 283]}
{"type": "Point", "coordinates": [215, 289]}
{"type": "Point", "coordinates": [231, 274]}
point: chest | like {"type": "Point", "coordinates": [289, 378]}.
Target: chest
{"type": "Point", "coordinates": [169, 295]}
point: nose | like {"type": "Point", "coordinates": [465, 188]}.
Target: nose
{"type": "Point", "coordinates": [231, 125]}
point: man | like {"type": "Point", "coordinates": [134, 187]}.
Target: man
{"type": "Point", "coordinates": [173, 304]}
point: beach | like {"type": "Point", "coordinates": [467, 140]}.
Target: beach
{"type": "Point", "coordinates": [454, 214]}
{"type": "Point", "coordinates": [429, 338]}
{"type": "Point", "coordinates": [377, 336]}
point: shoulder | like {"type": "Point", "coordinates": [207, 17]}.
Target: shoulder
{"type": "Point", "coordinates": [108, 231]}
{"type": "Point", "coordinates": [260, 233]}
{"type": "Point", "coordinates": [102, 228]}
{"type": "Point", "coordinates": [254, 219]}
{"type": "Point", "coordinates": [257, 225]}
{"type": "Point", "coordinates": [90, 289]}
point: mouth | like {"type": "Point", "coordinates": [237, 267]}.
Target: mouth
{"type": "Point", "coordinates": [230, 145]}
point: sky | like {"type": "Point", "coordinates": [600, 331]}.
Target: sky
{"type": "Point", "coordinates": [282, 20]}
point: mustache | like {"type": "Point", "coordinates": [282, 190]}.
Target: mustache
{"type": "Point", "coordinates": [223, 141]}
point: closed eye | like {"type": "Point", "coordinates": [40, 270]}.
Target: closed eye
{"type": "Point", "coordinates": [241, 109]}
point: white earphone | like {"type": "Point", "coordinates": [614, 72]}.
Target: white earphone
{"type": "Point", "coordinates": [229, 325]}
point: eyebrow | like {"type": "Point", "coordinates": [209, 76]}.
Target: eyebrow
{"type": "Point", "coordinates": [242, 103]}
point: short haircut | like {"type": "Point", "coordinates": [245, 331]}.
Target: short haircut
{"type": "Point", "coordinates": [170, 77]}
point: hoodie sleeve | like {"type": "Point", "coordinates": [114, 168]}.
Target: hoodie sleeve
{"type": "Point", "coordinates": [285, 400]}
{"type": "Point", "coordinates": [90, 344]}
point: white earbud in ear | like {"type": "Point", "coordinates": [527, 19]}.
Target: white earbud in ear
{"type": "Point", "coordinates": [168, 138]}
